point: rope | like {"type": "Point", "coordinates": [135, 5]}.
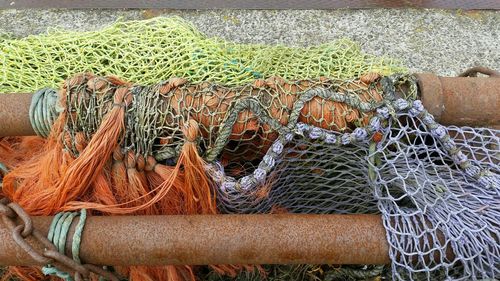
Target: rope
{"type": "Point", "coordinates": [43, 111]}
{"type": "Point", "coordinates": [3, 168]}
{"type": "Point", "coordinates": [58, 233]}
{"type": "Point", "coordinates": [77, 237]}
{"type": "Point", "coordinates": [3, 171]}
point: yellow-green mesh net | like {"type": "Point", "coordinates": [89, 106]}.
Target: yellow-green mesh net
{"type": "Point", "coordinates": [148, 51]}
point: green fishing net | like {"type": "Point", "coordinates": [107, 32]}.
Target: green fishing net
{"type": "Point", "coordinates": [149, 51]}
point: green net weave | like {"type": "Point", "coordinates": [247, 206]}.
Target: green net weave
{"type": "Point", "coordinates": [149, 51]}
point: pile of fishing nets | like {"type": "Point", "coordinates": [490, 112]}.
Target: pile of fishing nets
{"type": "Point", "coordinates": [196, 125]}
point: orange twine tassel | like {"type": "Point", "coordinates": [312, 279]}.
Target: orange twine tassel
{"type": "Point", "coordinates": [103, 178]}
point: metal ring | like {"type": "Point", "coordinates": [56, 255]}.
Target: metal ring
{"type": "Point", "coordinates": [19, 239]}
{"type": "Point", "coordinates": [9, 222]}
{"type": "Point", "coordinates": [6, 211]}
{"type": "Point", "coordinates": [27, 222]}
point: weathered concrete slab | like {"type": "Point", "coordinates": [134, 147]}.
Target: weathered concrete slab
{"type": "Point", "coordinates": [245, 4]}
{"type": "Point", "coordinates": [444, 42]}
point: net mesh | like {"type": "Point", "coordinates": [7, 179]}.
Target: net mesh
{"type": "Point", "coordinates": [430, 207]}
{"type": "Point", "coordinates": [441, 218]}
{"type": "Point", "coordinates": [283, 143]}
{"type": "Point", "coordinates": [149, 51]}
{"type": "Point", "coordinates": [237, 125]}
{"type": "Point", "coordinates": [305, 273]}
{"type": "Point", "coordinates": [319, 146]}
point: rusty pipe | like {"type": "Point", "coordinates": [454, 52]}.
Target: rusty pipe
{"type": "Point", "coordinates": [14, 115]}
{"type": "Point", "coordinates": [220, 239]}
{"type": "Point", "coordinates": [461, 101]}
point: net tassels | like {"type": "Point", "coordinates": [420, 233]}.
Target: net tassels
{"type": "Point", "coordinates": [198, 187]}
{"type": "Point", "coordinates": [100, 176]}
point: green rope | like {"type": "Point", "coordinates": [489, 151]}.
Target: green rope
{"type": "Point", "coordinates": [43, 111]}
{"type": "Point", "coordinates": [371, 161]}
{"type": "Point", "coordinates": [259, 110]}
{"type": "Point", "coordinates": [58, 233]}
{"type": "Point", "coordinates": [77, 237]}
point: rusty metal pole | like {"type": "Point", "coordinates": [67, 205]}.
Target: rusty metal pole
{"type": "Point", "coordinates": [14, 115]}
{"type": "Point", "coordinates": [220, 239]}
{"type": "Point", "coordinates": [461, 101]}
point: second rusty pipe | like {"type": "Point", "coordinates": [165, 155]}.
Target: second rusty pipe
{"type": "Point", "coordinates": [461, 101]}
{"type": "Point", "coordinates": [14, 115]}
{"type": "Point", "coordinates": [220, 239]}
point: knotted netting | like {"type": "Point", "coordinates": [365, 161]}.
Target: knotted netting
{"type": "Point", "coordinates": [437, 188]}
{"type": "Point", "coordinates": [283, 142]}
{"type": "Point", "coordinates": [312, 146]}
{"type": "Point", "coordinates": [149, 51]}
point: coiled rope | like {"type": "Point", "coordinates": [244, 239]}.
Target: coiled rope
{"type": "Point", "coordinates": [44, 111]}
{"type": "Point", "coordinates": [58, 232]}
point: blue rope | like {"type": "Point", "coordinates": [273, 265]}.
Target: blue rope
{"type": "Point", "coordinates": [44, 111]}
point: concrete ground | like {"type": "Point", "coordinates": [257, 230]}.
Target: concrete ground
{"type": "Point", "coordinates": [440, 41]}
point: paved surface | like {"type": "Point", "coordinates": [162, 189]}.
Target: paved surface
{"type": "Point", "coordinates": [254, 4]}
{"type": "Point", "coordinates": [441, 41]}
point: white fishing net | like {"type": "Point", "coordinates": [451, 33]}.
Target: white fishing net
{"type": "Point", "coordinates": [437, 188]}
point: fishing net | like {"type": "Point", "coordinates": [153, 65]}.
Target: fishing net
{"type": "Point", "coordinates": [146, 52]}
{"type": "Point", "coordinates": [223, 140]}
{"type": "Point", "coordinates": [364, 145]}
{"type": "Point", "coordinates": [304, 273]}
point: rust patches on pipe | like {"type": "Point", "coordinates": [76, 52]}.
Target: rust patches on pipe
{"type": "Point", "coordinates": [430, 84]}
{"type": "Point", "coordinates": [221, 239]}
{"type": "Point", "coordinates": [14, 115]}
{"type": "Point", "coordinates": [461, 101]}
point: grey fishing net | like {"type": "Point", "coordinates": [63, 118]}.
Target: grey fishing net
{"type": "Point", "coordinates": [436, 187]}
{"type": "Point", "coordinates": [440, 221]}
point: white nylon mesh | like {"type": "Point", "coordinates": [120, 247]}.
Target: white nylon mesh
{"type": "Point", "coordinates": [441, 214]}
